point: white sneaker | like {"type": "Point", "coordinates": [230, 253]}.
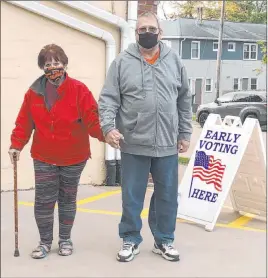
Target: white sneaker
{"type": "Point", "coordinates": [167, 251]}
{"type": "Point", "coordinates": [128, 252]}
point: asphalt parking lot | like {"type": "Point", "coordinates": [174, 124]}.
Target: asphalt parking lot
{"type": "Point", "coordinates": [236, 248]}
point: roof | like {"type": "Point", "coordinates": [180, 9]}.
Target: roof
{"type": "Point", "coordinates": [209, 29]}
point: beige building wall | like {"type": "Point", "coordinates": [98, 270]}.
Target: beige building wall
{"type": "Point", "coordinates": [23, 34]}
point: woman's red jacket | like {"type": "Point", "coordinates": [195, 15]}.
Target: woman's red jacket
{"type": "Point", "coordinates": [61, 135]}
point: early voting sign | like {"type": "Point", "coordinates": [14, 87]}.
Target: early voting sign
{"type": "Point", "coordinates": [214, 166]}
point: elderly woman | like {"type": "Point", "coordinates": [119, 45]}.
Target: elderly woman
{"type": "Point", "coordinates": [62, 112]}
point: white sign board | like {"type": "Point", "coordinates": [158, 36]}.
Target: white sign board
{"type": "Point", "coordinates": [213, 167]}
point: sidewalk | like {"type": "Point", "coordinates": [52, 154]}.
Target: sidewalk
{"type": "Point", "coordinates": [236, 248]}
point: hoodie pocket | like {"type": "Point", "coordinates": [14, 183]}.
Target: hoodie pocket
{"type": "Point", "coordinates": [143, 133]}
{"type": "Point", "coordinates": [167, 126]}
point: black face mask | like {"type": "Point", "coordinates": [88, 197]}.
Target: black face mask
{"type": "Point", "coordinates": [148, 40]}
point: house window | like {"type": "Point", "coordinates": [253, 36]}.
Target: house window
{"type": "Point", "coordinates": [231, 46]}
{"type": "Point", "coordinates": [236, 83]}
{"type": "Point", "coordinates": [215, 46]}
{"type": "Point", "coordinates": [253, 83]}
{"type": "Point", "coordinates": [250, 51]}
{"type": "Point", "coordinates": [168, 43]}
{"type": "Point", "coordinates": [195, 50]}
{"type": "Point", "coordinates": [208, 85]}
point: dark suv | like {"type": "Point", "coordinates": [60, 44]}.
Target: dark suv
{"type": "Point", "coordinates": [245, 104]}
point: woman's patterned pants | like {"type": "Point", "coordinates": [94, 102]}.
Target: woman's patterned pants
{"type": "Point", "coordinates": [55, 184]}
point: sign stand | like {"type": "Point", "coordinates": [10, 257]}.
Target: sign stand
{"type": "Point", "coordinates": [217, 167]}
{"type": "Point", "coordinates": [248, 192]}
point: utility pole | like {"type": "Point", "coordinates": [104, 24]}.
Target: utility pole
{"type": "Point", "coordinates": [220, 50]}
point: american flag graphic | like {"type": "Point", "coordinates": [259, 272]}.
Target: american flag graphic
{"type": "Point", "coordinates": [208, 169]}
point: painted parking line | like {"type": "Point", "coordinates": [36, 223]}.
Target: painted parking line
{"type": "Point", "coordinates": [144, 214]}
{"type": "Point", "coordinates": [89, 199]}
{"type": "Point", "coordinates": [96, 211]}
{"type": "Point", "coordinates": [239, 223]}
{"type": "Point", "coordinates": [98, 197]}
{"type": "Point", "coordinates": [245, 228]}
{"type": "Point", "coordinates": [31, 204]}
{"type": "Point", "coordinates": [227, 207]}
{"type": "Point", "coordinates": [242, 220]}
{"type": "Point", "coordinates": [28, 204]}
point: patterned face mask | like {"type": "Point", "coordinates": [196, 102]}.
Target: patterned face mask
{"type": "Point", "coordinates": [54, 74]}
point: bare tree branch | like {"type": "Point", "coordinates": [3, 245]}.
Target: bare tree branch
{"type": "Point", "coordinates": [162, 3]}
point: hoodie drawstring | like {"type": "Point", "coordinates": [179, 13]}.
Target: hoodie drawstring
{"type": "Point", "coordinates": [142, 74]}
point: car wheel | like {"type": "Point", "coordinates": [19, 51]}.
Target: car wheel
{"type": "Point", "coordinates": [202, 118]}
{"type": "Point", "coordinates": [252, 116]}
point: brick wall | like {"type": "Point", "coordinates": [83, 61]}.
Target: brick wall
{"type": "Point", "coordinates": [147, 5]}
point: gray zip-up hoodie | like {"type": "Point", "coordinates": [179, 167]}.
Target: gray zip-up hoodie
{"type": "Point", "coordinates": [150, 104]}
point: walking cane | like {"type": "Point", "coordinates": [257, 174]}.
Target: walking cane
{"type": "Point", "coordinates": [16, 253]}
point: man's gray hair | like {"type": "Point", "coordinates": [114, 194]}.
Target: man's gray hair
{"type": "Point", "coordinates": [149, 14]}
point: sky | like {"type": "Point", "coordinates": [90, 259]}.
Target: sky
{"type": "Point", "coordinates": [167, 7]}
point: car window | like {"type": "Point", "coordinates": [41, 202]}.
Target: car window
{"type": "Point", "coordinates": [255, 98]}
{"type": "Point", "coordinates": [226, 98]}
{"type": "Point", "coordinates": [247, 98]}
{"type": "Point", "coordinates": [242, 98]}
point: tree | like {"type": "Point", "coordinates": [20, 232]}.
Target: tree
{"type": "Point", "coordinates": [186, 9]}
{"type": "Point", "coordinates": [264, 52]}
{"type": "Point", "coordinates": [236, 11]}
{"type": "Point", "coordinates": [161, 6]}
{"type": "Point", "coordinates": [259, 14]}
{"type": "Point", "coordinates": [263, 46]}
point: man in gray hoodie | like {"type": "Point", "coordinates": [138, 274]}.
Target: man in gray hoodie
{"type": "Point", "coordinates": [146, 102]}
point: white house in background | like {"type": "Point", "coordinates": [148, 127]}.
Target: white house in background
{"type": "Point", "coordinates": [197, 43]}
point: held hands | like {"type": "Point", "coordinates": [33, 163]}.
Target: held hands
{"type": "Point", "coordinates": [113, 138]}
{"type": "Point", "coordinates": [13, 152]}
{"type": "Point", "coordinates": [183, 146]}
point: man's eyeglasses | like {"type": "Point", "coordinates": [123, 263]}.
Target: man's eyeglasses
{"type": "Point", "coordinates": [150, 29]}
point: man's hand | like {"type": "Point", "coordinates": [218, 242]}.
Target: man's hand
{"type": "Point", "coordinates": [183, 146]}
{"type": "Point", "coordinates": [11, 153]}
{"type": "Point", "coordinates": [113, 138]}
